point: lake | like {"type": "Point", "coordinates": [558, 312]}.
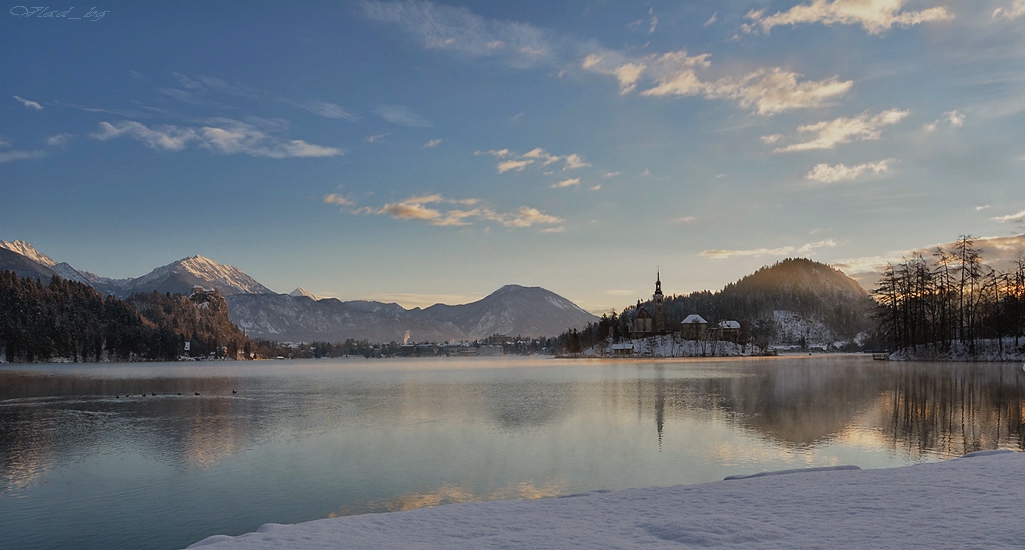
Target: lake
{"type": "Point", "coordinates": [88, 461]}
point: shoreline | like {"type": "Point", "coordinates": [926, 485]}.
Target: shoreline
{"type": "Point", "coordinates": [962, 502]}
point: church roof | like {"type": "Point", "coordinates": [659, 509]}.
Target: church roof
{"type": "Point", "coordinates": [642, 314]}
{"type": "Point", "coordinates": [694, 318]}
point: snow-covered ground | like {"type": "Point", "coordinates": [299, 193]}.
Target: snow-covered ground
{"type": "Point", "coordinates": [971, 502]}
{"type": "Point", "coordinates": [673, 345]}
{"type": "Point", "coordinates": [985, 350]}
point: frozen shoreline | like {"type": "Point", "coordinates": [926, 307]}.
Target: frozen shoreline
{"type": "Point", "coordinates": [975, 501]}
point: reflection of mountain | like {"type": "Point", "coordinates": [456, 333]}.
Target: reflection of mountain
{"type": "Point", "coordinates": [525, 405]}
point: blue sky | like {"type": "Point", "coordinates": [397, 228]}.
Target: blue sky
{"type": "Point", "coordinates": [426, 152]}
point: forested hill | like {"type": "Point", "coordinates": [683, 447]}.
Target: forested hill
{"type": "Point", "coordinates": [791, 300]}
{"type": "Point", "coordinates": [67, 320]}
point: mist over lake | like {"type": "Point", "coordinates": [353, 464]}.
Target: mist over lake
{"type": "Point", "coordinates": [87, 461]}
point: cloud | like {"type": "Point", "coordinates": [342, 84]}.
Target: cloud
{"type": "Point", "coordinates": [513, 165]}
{"type": "Point", "coordinates": [837, 173]}
{"type": "Point", "coordinates": [982, 207]}
{"type": "Point", "coordinates": [397, 114]}
{"type": "Point", "coordinates": [511, 161]}
{"type": "Point", "coordinates": [685, 219]}
{"type": "Point", "coordinates": [338, 199]}
{"type": "Point", "coordinates": [172, 138]}
{"type": "Point", "coordinates": [460, 32]}
{"type": "Point", "coordinates": [58, 139]}
{"type": "Point", "coordinates": [955, 118]}
{"type": "Point", "coordinates": [325, 109]}
{"type": "Point", "coordinates": [228, 137]}
{"type": "Point", "coordinates": [1015, 10]}
{"type": "Point", "coordinates": [875, 16]}
{"type": "Point", "coordinates": [1020, 216]}
{"type": "Point", "coordinates": [29, 104]}
{"type": "Point", "coordinates": [673, 74]}
{"type": "Point", "coordinates": [569, 182]}
{"type": "Point", "coordinates": [376, 137]}
{"type": "Point", "coordinates": [652, 21]}
{"type": "Point", "coordinates": [829, 134]}
{"type": "Point", "coordinates": [433, 143]}
{"type": "Point", "coordinates": [711, 20]}
{"type": "Point", "coordinates": [439, 211]}
{"type": "Point", "coordinates": [782, 251]}
{"type": "Point", "coordinates": [10, 156]}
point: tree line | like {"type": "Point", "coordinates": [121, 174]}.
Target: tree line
{"type": "Point", "coordinates": [951, 297]}
{"type": "Point", "coordinates": [63, 319]}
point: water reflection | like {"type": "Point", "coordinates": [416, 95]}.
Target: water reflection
{"type": "Point", "coordinates": [453, 494]}
{"type": "Point", "coordinates": [296, 441]}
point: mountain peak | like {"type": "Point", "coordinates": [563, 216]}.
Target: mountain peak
{"type": "Point", "coordinates": [300, 291]}
{"type": "Point", "coordinates": [29, 251]}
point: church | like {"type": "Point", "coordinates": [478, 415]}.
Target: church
{"type": "Point", "coordinates": [648, 323]}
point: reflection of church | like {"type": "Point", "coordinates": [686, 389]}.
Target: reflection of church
{"type": "Point", "coordinates": [647, 323]}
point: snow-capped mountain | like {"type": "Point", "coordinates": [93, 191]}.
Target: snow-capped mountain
{"type": "Point", "coordinates": [300, 291]}
{"type": "Point", "coordinates": [511, 310]}
{"type": "Point", "coordinates": [29, 251]}
{"type": "Point", "coordinates": [183, 275]}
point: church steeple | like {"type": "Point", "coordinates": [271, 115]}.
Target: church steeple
{"type": "Point", "coordinates": [658, 301]}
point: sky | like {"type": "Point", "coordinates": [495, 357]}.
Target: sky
{"type": "Point", "coordinates": [423, 152]}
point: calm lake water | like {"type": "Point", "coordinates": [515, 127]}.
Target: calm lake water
{"type": "Point", "coordinates": [84, 466]}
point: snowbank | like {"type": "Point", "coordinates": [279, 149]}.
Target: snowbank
{"type": "Point", "coordinates": [974, 501]}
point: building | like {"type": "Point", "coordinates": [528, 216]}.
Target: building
{"type": "Point", "coordinates": [694, 327]}
{"type": "Point", "coordinates": [645, 323]}
{"type": "Point", "coordinates": [729, 331]}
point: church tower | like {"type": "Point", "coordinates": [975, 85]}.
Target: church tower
{"type": "Point", "coordinates": [658, 301]}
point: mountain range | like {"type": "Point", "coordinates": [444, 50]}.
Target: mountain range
{"type": "Point", "coordinates": [299, 316]}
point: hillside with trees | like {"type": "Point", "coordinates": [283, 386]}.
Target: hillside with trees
{"type": "Point", "coordinates": [952, 305]}
{"type": "Point", "coordinates": [68, 320]}
{"type": "Point", "coordinates": [793, 302]}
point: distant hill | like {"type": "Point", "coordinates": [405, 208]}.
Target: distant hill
{"type": "Point", "coordinates": [300, 316]}
{"type": "Point", "coordinates": [791, 301]}
{"type": "Point", "coordinates": [512, 310]}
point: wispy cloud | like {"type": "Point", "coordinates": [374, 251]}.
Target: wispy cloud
{"type": "Point", "coordinates": [10, 156]}
{"type": "Point", "coordinates": [767, 91]}
{"type": "Point", "coordinates": [462, 33]}
{"type": "Point", "coordinates": [338, 199]}
{"type": "Point", "coordinates": [375, 138]}
{"type": "Point", "coordinates": [58, 139]}
{"type": "Point", "coordinates": [838, 173]}
{"type": "Point", "coordinates": [875, 16]}
{"type": "Point", "coordinates": [1014, 10]}
{"type": "Point", "coordinates": [781, 251]}
{"type": "Point", "coordinates": [403, 116]}
{"type": "Point", "coordinates": [196, 90]}
{"type": "Point", "coordinates": [458, 31]}
{"type": "Point", "coordinates": [568, 182]}
{"type": "Point", "coordinates": [29, 104]}
{"type": "Point", "coordinates": [510, 161]}
{"type": "Point", "coordinates": [955, 119]}
{"type": "Point", "coordinates": [1020, 216]}
{"type": "Point", "coordinates": [711, 20]}
{"type": "Point", "coordinates": [222, 135]}
{"type": "Point", "coordinates": [325, 109]}
{"type": "Point", "coordinates": [433, 143]}
{"type": "Point", "coordinates": [437, 210]}
{"type": "Point", "coordinates": [829, 134]}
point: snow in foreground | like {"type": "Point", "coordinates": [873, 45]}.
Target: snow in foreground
{"type": "Point", "coordinates": [975, 501]}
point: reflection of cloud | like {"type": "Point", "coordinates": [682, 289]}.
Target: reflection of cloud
{"type": "Point", "coordinates": [454, 494]}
